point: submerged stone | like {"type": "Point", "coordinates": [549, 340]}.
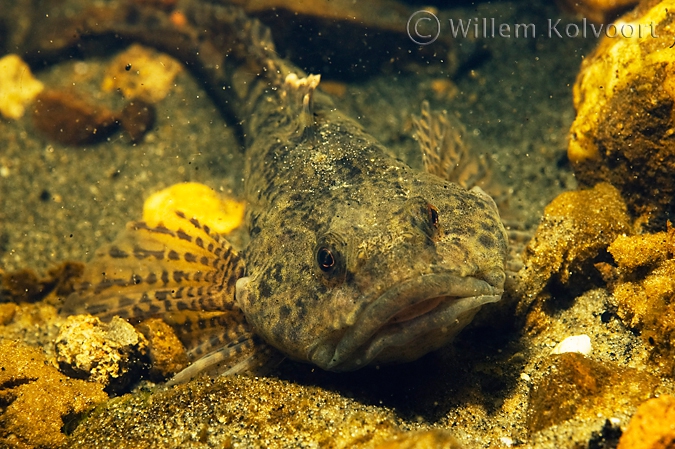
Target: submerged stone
{"type": "Point", "coordinates": [576, 227]}
{"type": "Point", "coordinates": [576, 386]}
{"type": "Point", "coordinates": [644, 290]}
{"type": "Point", "coordinates": [166, 352]}
{"type": "Point", "coordinates": [71, 120]}
{"type": "Point", "coordinates": [624, 97]}
{"type": "Point", "coordinates": [652, 426]}
{"type": "Point", "coordinates": [18, 87]}
{"type": "Point", "coordinates": [108, 353]}
{"type": "Point", "coordinates": [142, 73]}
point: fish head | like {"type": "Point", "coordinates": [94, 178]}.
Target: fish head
{"type": "Point", "coordinates": [384, 277]}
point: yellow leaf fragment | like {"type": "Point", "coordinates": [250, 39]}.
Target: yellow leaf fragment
{"type": "Point", "coordinates": [18, 87]}
{"type": "Point", "coordinates": [196, 200]}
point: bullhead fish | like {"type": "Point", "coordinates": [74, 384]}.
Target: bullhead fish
{"type": "Point", "coordinates": [354, 258]}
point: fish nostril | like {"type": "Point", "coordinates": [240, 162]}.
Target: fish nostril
{"type": "Point", "coordinates": [495, 277]}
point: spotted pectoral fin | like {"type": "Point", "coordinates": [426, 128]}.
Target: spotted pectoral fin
{"type": "Point", "coordinates": [149, 271]}
{"type": "Point", "coordinates": [220, 343]}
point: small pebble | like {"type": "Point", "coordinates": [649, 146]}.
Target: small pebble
{"type": "Point", "coordinates": [576, 343]}
{"type": "Point", "coordinates": [108, 353]}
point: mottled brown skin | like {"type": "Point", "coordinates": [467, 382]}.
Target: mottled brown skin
{"type": "Point", "coordinates": [331, 185]}
{"type": "Point", "coordinates": [354, 258]}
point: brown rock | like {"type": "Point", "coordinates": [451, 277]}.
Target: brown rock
{"type": "Point", "coordinates": [347, 20]}
{"type": "Point", "coordinates": [652, 426]}
{"type": "Point", "coordinates": [382, 14]}
{"type": "Point", "coordinates": [137, 119]}
{"type": "Point", "coordinates": [36, 398]}
{"type": "Point", "coordinates": [70, 120]}
{"type": "Point", "coordinates": [26, 286]}
{"type": "Point", "coordinates": [598, 11]}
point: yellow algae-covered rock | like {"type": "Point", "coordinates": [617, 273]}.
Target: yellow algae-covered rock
{"type": "Point", "coordinates": [624, 96]}
{"type": "Point", "coordinates": [18, 87]}
{"type": "Point", "coordinates": [575, 228]}
{"type": "Point", "coordinates": [644, 300]}
{"type": "Point", "coordinates": [576, 386]}
{"type": "Point", "coordinates": [630, 252]}
{"type": "Point", "coordinates": [652, 426]}
{"type": "Point", "coordinates": [222, 215]}
{"type": "Point", "coordinates": [142, 73]}
{"type": "Point", "coordinates": [36, 397]}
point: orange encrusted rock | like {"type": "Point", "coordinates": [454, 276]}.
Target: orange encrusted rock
{"type": "Point", "coordinates": [36, 398]}
{"type": "Point", "coordinates": [652, 426]}
{"type": "Point", "coordinates": [166, 352]}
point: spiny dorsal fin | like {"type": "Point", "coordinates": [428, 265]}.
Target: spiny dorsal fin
{"type": "Point", "coordinates": [148, 271]}
{"type": "Point", "coordinates": [301, 91]}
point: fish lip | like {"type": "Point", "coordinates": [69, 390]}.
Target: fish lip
{"type": "Point", "coordinates": [471, 292]}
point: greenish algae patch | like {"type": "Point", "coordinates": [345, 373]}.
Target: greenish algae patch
{"type": "Point", "coordinates": [237, 412]}
{"type": "Point", "coordinates": [35, 398]}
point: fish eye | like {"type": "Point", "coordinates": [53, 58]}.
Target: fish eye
{"type": "Point", "coordinates": [432, 213]}
{"type": "Point", "coordinates": [325, 259]}
{"type": "Point", "coordinates": [329, 259]}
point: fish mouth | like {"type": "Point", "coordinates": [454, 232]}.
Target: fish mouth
{"type": "Point", "coordinates": [442, 302]}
